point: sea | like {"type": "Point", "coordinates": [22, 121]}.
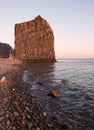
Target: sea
{"type": "Point", "coordinates": [74, 80]}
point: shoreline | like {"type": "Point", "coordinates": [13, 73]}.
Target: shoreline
{"type": "Point", "coordinates": [21, 109]}
{"type": "Point", "coordinates": [7, 64]}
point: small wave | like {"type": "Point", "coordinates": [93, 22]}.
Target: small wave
{"type": "Point", "coordinates": [29, 77]}
{"type": "Point", "coordinates": [64, 81]}
{"type": "Point", "coordinates": [88, 97]}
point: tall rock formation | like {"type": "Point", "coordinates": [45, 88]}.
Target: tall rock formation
{"type": "Point", "coordinates": [5, 50]}
{"type": "Point", "coordinates": [34, 41]}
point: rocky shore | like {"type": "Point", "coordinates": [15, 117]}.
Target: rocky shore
{"type": "Point", "coordinates": [8, 64]}
{"type": "Point", "coordinates": [19, 108]}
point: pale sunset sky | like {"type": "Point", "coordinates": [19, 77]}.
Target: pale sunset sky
{"type": "Point", "coordinates": [71, 20]}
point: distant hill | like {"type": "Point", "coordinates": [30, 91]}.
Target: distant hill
{"type": "Point", "coordinates": [5, 50]}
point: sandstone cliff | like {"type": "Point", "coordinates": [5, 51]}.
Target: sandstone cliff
{"type": "Point", "coordinates": [34, 41]}
{"type": "Point", "coordinates": [5, 50]}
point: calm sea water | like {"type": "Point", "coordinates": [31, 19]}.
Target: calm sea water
{"type": "Point", "coordinates": [74, 80]}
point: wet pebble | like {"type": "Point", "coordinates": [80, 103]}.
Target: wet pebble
{"type": "Point", "coordinates": [54, 93]}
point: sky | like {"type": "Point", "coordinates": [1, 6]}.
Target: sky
{"type": "Point", "coordinates": [72, 22]}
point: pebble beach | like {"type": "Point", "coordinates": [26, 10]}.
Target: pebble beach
{"type": "Point", "coordinates": [19, 108]}
{"type": "Point", "coordinates": [31, 100]}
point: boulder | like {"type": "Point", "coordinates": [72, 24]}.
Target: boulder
{"type": "Point", "coordinates": [5, 50]}
{"type": "Point", "coordinates": [54, 93]}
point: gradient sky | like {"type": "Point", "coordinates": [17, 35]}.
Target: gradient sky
{"type": "Point", "coordinates": [71, 20]}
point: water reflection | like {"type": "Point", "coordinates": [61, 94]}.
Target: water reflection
{"type": "Point", "coordinates": [37, 72]}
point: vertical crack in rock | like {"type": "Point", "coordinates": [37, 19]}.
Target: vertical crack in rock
{"type": "Point", "coordinates": [34, 41]}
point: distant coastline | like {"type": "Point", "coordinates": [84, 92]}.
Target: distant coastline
{"type": "Point", "coordinates": [74, 58]}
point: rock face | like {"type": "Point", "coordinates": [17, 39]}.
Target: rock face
{"type": "Point", "coordinates": [5, 50]}
{"type": "Point", "coordinates": [34, 41]}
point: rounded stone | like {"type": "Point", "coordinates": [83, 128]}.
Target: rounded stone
{"type": "Point", "coordinates": [4, 97]}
